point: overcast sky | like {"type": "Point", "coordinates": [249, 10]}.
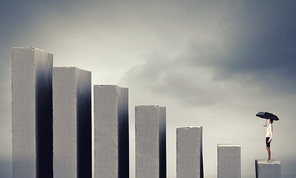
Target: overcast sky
{"type": "Point", "coordinates": [211, 63]}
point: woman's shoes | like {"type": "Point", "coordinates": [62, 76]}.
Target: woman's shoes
{"type": "Point", "coordinates": [268, 160]}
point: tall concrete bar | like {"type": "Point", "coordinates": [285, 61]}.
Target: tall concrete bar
{"type": "Point", "coordinates": [31, 113]}
{"type": "Point", "coordinates": [271, 169]}
{"type": "Point", "coordinates": [111, 132]}
{"type": "Point", "coordinates": [189, 152]}
{"type": "Point", "coordinates": [71, 123]}
{"type": "Point", "coordinates": [229, 161]}
{"type": "Point", "coordinates": [150, 122]}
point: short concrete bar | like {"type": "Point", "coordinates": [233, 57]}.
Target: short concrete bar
{"type": "Point", "coordinates": [111, 132]}
{"type": "Point", "coordinates": [71, 123]}
{"type": "Point", "coordinates": [229, 161]}
{"type": "Point", "coordinates": [150, 122]}
{"type": "Point", "coordinates": [189, 152]}
{"type": "Point", "coordinates": [271, 169]}
{"type": "Point", "coordinates": [31, 113]}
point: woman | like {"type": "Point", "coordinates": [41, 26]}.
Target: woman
{"type": "Point", "coordinates": [269, 134]}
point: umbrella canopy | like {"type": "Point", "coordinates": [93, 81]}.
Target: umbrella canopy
{"type": "Point", "coordinates": [267, 115]}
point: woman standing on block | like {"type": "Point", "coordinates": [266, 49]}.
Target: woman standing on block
{"type": "Point", "coordinates": [269, 134]}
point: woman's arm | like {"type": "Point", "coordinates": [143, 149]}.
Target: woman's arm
{"type": "Point", "coordinates": [271, 134]}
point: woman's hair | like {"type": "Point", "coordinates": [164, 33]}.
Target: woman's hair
{"type": "Point", "coordinates": [271, 120]}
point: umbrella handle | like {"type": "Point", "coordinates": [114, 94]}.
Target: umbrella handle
{"type": "Point", "coordinates": [265, 123]}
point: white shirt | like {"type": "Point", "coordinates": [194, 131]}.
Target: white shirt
{"type": "Point", "coordinates": [269, 131]}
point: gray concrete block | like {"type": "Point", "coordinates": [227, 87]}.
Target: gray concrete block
{"type": "Point", "coordinates": [71, 123]}
{"type": "Point", "coordinates": [31, 113]}
{"type": "Point", "coordinates": [271, 169]}
{"type": "Point", "coordinates": [189, 152]}
{"type": "Point", "coordinates": [150, 123]}
{"type": "Point", "coordinates": [229, 161]}
{"type": "Point", "coordinates": [111, 132]}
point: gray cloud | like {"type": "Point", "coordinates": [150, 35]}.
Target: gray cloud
{"type": "Point", "coordinates": [250, 49]}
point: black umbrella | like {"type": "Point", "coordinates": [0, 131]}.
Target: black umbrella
{"type": "Point", "coordinates": [267, 115]}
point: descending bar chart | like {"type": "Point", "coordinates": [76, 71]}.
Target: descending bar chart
{"type": "Point", "coordinates": [53, 134]}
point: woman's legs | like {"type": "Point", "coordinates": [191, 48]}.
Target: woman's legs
{"type": "Point", "coordinates": [269, 153]}
{"type": "Point", "coordinates": [268, 148]}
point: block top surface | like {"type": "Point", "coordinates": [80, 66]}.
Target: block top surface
{"type": "Point", "coordinates": [229, 145]}
{"type": "Point", "coordinates": [106, 85]}
{"type": "Point", "coordinates": [74, 69]}
{"type": "Point", "coordinates": [263, 161]}
{"type": "Point", "coordinates": [147, 106]}
{"type": "Point", "coordinates": [189, 127]}
{"type": "Point", "coordinates": [29, 48]}
{"type": "Point", "coordinates": [66, 68]}
{"type": "Point", "coordinates": [101, 86]}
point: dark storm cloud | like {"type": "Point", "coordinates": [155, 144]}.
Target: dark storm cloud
{"type": "Point", "coordinates": [252, 48]}
{"type": "Point", "coordinates": [265, 43]}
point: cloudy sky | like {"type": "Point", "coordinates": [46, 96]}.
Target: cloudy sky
{"type": "Point", "coordinates": [211, 63]}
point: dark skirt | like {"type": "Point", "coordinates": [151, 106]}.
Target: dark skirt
{"type": "Point", "coordinates": [267, 144]}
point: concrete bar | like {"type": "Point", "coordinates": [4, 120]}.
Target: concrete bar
{"type": "Point", "coordinates": [31, 113]}
{"type": "Point", "coordinates": [150, 122]}
{"type": "Point", "coordinates": [111, 132]}
{"type": "Point", "coordinates": [189, 152]}
{"type": "Point", "coordinates": [229, 161]}
{"type": "Point", "coordinates": [271, 169]}
{"type": "Point", "coordinates": [71, 123]}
